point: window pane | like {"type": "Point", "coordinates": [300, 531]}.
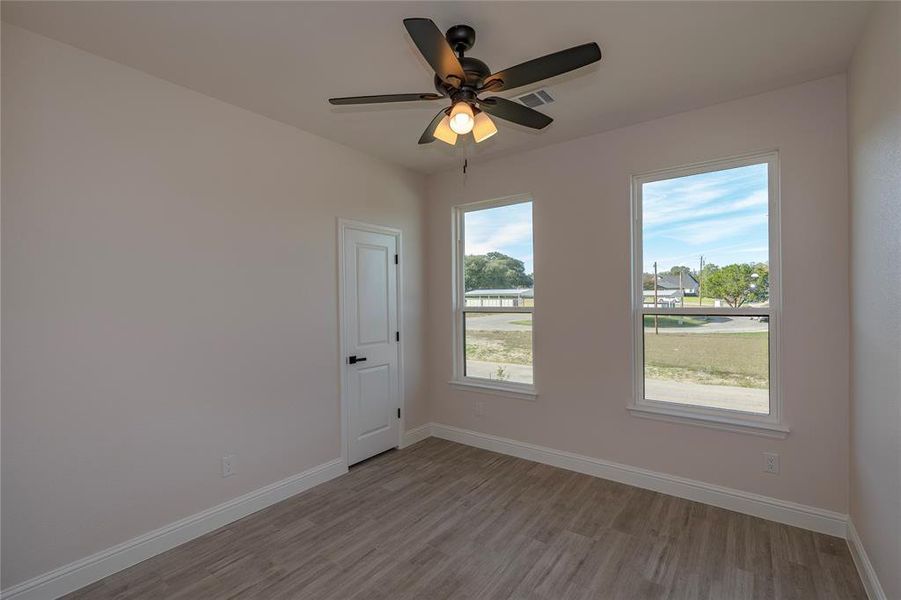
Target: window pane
{"type": "Point", "coordinates": [498, 256]}
{"type": "Point", "coordinates": [710, 361]}
{"type": "Point", "coordinates": [498, 346]}
{"type": "Point", "coordinates": [706, 237]}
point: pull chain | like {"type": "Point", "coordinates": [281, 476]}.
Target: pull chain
{"type": "Point", "coordinates": [465, 171]}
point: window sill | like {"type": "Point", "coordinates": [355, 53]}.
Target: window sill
{"type": "Point", "coordinates": [724, 423]}
{"type": "Point", "coordinates": [519, 392]}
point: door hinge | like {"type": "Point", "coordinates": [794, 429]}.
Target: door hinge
{"type": "Point", "coordinates": [396, 259]}
{"type": "Point", "coordinates": [397, 336]}
{"type": "Point", "coordinates": [398, 412]}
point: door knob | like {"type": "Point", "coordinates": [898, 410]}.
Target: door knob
{"type": "Point", "coordinates": [354, 359]}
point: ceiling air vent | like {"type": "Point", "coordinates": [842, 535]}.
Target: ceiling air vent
{"type": "Point", "coordinates": [536, 98]}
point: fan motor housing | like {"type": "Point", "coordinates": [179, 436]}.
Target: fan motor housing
{"type": "Point", "coordinates": [476, 71]}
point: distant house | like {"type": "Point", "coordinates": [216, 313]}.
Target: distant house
{"type": "Point", "coordinates": [506, 298]}
{"type": "Point", "coordinates": [670, 290]}
{"type": "Point", "coordinates": [689, 285]}
{"type": "Point", "coordinates": [666, 298]}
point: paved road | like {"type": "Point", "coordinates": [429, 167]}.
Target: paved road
{"type": "Point", "coordinates": [719, 324]}
{"type": "Point", "coordinates": [679, 392]}
{"type": "Point", "coordinates": [504, 322]}
{"type": "Point", "coordinates": [718, 396]}
{"type": "Point", "coordinates": [498, 322]}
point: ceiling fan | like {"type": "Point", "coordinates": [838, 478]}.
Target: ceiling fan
{"type": "Point", "coordinates": [462, 78]}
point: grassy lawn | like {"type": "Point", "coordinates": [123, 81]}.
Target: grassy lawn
{"type": "Point", "coordinates": [738, 359]}
{"type": "Point", "coordinates": [500, 346]}
{"type": "Point", "coordinates": [526, 322]}
{"type": "Point", "coordinates": [735, 359]}
{"type": "Point", "coordinates": [674, 321]}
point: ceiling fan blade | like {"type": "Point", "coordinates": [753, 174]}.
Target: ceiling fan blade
{"type": "Point", "coordinates": [434, 47]}
{"type": "Point", "coordinates": [428, 135]}
{"type": "Point", "coordinates": [384, 98]}
{"type": "Point", "coordinates": [544, 67]}
{"type": "Point", "coordinates": [514, 112]}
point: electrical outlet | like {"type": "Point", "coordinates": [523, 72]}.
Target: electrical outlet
{"type": "Point", "coordinates": [771, 463]}
{"type": "Point", "coordinates": [228, 465]}
{"type": "Point", "coordinates": [479, 407]}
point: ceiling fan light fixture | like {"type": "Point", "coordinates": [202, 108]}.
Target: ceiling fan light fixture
{"type": "Point", "coordinates": [460, 78]}
{"type": "Point", "coordinates": [444, 132]}
{"type": "Point", "coordinates": [461, 118]}
{"type": "Point", "coordinates": [483, 127]}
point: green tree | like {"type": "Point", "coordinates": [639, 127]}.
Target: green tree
{"type": "Point", "coordinates": [681, 269]}
{"type": "Point", "coordinates": [737, 284]}
{"type": "Point", "coordinates": [494, 270]}
{"type": "Point", "coordinates": [708, 270]}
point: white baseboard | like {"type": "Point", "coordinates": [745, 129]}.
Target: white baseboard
{"type": "Point", "coordinates": [80, 573]}
{"type": "Point", "coordinates": [417, 434]}
{"type": "Point", "coordinates": [782, 511]}
{"type": "Point", "coordinates": [864, 566]}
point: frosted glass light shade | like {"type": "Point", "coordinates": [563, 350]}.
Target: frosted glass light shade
{"type": "Point", "coordinates": [444, 132]}
{"type": "Point", "coordinates": [483, 127]}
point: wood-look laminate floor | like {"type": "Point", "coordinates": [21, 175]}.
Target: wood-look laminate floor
{"type": "Point", "coordinates": [442, 520]}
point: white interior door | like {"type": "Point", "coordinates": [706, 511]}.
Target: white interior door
{"type": "Point", "coordinates": [371, 343]}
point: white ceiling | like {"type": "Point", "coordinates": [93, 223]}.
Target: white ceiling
{"type": "Point", "coordinates": [283, 59]}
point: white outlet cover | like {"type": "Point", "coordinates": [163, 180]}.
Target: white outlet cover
{"type": "Point", "coordinates": [771, 463]}
{"type": "Point", "coordinates": [228, 465]}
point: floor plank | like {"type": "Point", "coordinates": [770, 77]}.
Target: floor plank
{"type": "Point", "coordinates": [443, 520]}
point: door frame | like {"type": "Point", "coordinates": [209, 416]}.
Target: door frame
{"type": "Point", "coordinates": [343, 225]}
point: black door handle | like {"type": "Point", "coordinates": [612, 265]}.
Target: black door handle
{"type": "Point", "coordinates": [354, 360]}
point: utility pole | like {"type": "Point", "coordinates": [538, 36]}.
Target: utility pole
{"type": "Point", "coordinates": [656, 306]}
{"type": "Point", "coordinates": [681, 291]}
{"type": "Point", "coordinates": [700, 275]}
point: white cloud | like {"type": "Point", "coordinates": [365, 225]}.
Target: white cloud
{"type": "Point", "coordinates": [661, 211]}
{"type": "Point", "coordinates": [758, 198]}
{"type": "Point", "coordinates": [490, 238]}
{"type": "Point", "coordinates": [714, 230]}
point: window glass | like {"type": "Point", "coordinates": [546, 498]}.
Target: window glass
{"type": "Point", "coordinates": [705, 244]}
{"type": "Point", "coordinates": [499, 346]}
{"type": "Point", "coordinates": [498, 253]}
{"type": "Point", "coordinates": [498, 295]}
{"type": "Point", "coordinates": [707, 237]}
{"type": "Point", "coordinates": [713, 361]}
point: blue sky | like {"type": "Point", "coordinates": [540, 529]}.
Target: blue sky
{"type": "Point", "coordinates": [721, 215]}
{"type": "Point", "coordinates": [506, 229]}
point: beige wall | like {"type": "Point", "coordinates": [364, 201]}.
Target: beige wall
{"type": "Point", "coordinates": [874, 108]}
{"type": "Point", "coordinates": [169, 296]}
{"type": "Point", "coordinates": [581, 237]}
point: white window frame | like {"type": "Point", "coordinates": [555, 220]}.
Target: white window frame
{"type": "Point", "coordinates": [460, 379]}
{"type": "Point", "coordinates": [770, 425]}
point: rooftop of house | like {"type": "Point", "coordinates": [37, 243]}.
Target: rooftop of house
{"type": "Point", "coordinates": [507, 293]}
{"type": "Point", "coordinates": [671, 282]}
